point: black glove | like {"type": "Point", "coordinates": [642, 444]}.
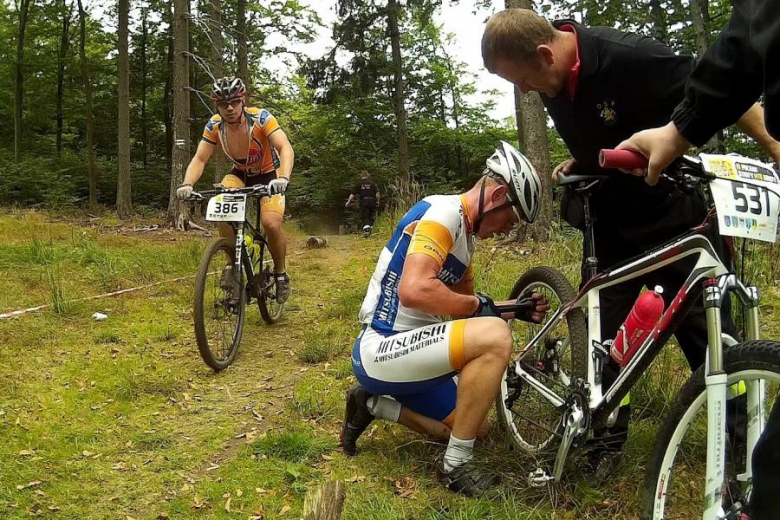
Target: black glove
{"type": "Point", "coordinates": [532, 303]}
{"type": "Point", "coordinates": [486, 308]}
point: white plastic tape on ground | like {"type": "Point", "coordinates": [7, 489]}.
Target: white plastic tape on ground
{"type": "Point", "coordinates": [106, 295]}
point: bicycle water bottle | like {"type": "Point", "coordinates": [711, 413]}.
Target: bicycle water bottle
{"type": "Point", "coordinates": [641, 322]}
{"type": "Point", "coordinates": [252, 248]}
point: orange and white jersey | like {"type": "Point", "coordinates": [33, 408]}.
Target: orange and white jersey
{"type": "Point", "coordinates": [435, 226]}
{"type": "Point", "coordinates": [261, 155]}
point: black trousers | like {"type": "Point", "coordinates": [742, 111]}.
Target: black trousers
{"type": "Point", "coordinates": [367, 211]}
{"type": "Point", "coordinates": [765, 504]}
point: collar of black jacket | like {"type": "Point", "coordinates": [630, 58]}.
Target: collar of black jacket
{"type": "Point", "coordinates": [586, 45]}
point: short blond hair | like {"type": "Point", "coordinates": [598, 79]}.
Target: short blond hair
{"type": "Point", "coordinates": [514, 34]}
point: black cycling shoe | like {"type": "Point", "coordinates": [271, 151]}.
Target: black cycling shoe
{"type": "Point", "coordinates": [465, 480]}
{"type": "Point", "coordinates": [356, 419]}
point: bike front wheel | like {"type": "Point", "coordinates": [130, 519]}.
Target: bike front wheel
{"type": "Point", "coordinates": [220, 305]}
{"type": "Point", "coordinates": [556, 359]}
{"type": "Point", "coordinates": [676, 478]}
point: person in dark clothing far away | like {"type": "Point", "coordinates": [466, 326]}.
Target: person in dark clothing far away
{"type": "Point", "coordinates": [740, 66]}
{"type": "Point", "coordinates": [599, 86]}
{"type": "Point", "coordinates": [368, 198]}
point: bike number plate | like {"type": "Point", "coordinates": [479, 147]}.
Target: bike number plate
{"type": "Point", "coordinates": [747, 196]}
{"type": "Point", "coordinates": [226, 207]}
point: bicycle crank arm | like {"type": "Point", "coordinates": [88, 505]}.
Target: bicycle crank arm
{"type": "Point", "coordinates": [575, 425]}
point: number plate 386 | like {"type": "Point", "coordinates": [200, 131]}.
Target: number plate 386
{"type": "Point", "coordinates": [226, 208]}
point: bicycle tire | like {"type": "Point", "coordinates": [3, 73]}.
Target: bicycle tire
{"type": "Point", "coordinates": [750, 357]}
{"type": "Point", "coordinates": [217, 363]}
{"type": "Point", "coordinates": [558, 285]}
{"type": "Point", "coordinates": [270, 310]}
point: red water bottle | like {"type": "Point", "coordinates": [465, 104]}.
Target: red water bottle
{"type": "Point", "coordinates": [640, 323]}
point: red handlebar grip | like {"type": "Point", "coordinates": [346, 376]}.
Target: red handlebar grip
{"type": "Point", "coordinates": [622, 159]}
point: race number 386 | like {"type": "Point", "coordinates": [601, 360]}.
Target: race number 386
{"type": "Point", "coordinates": [225, 208]}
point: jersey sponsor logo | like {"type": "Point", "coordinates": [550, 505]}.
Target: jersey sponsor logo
{"type": "Point", "coordinates": [389, 302]}
{"type": "Point", "coordinates": [607, 112]}
{"type": "Point", "coordinates": [448, 278]}
{"type": "Point", "coordinates": [396, 347]}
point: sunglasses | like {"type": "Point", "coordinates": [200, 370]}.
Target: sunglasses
{"type": "Point", "coordinates": [224, 104]}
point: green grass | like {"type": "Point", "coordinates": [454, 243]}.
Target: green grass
{"type": "Point", "coordinates": [121, 418]}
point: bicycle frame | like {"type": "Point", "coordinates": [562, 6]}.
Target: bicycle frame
{"type": "Point", "coordinates": [709, 279]}
{"type": "Point", "coordinates": [242, 254]}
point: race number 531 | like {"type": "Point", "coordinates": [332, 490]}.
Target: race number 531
{"type": "Point", "coordinates": [750, 199]}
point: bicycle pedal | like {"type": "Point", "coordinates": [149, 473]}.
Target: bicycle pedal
{"type": "Point", "coordinates": [539, 478]}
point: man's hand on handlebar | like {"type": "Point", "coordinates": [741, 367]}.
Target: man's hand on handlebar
{"type": "Point", "coordinates": [660, 145]}
{"type": "Point", "coordinates": [565, 168]}
{"type": "Point", "coordinates": [184, 191]}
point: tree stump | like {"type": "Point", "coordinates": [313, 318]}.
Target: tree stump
{"type": "Point", "coordinates": [316, 243]}
{"type": "Point", "coordinates": [325, 502]}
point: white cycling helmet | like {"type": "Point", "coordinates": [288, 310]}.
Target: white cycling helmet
{"type": "Point", "coordinates": [525, 186]}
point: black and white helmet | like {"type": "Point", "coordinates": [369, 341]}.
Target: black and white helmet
{"type": "Point", "coordinates": [520, 176]}
{"type": "Point", "coordinates": [228, 89]}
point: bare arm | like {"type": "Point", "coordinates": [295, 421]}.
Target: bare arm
{"type": "Point", "coordinates": [752, 123]}
{"type": "Point", "coordinates": [198, 163]}
{"type": "Point", "coordinates": [279, 141]}
{"type": "Point", "coordinates": [350, 199]}
{"type": "Point", "coordinates": [421, 289]}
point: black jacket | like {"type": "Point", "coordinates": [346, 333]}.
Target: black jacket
{"type": "Point", "coordinates": [627, 83]}
{"type": "Point", "coordinates": [741, 64]}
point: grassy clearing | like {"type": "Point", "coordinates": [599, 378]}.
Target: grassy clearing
{"type": "Point", "coordinates": [121, 418]}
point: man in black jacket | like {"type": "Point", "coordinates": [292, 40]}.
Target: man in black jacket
{"type": "Point", "coordinates": [743, 63]}
{"type": "Point", "coordinates": [367, 195]}
{"type": "Point", "coordinates": [599, 86]}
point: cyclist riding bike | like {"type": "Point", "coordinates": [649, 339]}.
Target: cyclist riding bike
{"type": "Point", "coordinates": [442, 375]}
{"type": "Point", "coordinates": [261, 154]}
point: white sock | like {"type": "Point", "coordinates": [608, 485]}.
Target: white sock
{"type": "Point", "coordinates": [383, 407]}
{"type": "Point", "coordinates": [458, 453]}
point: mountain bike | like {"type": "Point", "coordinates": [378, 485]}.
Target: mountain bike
{"type": "Point", "coordinates": [552, 396]}
{"type": "Point", "coordinates": [231, 275]}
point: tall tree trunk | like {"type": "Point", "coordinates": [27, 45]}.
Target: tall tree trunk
{"type": "Point", "coordinates": [124, 203]}
{"type": "Point", "coordinates": [218, 71]}
{"type": "Point", "coordinates": [178, 211]}
{"type": "Point", "coordinates": [700, 18]}
{"type": "Point", "coordinates": [532, 134]}
{"type": "Point", "coordinates": [699, 27]}
{"type": "Point", "coordinates": [168, 93]}
{"type": "Point", "coordinates": [61, 55]}
{"type": "Point", "coordinates": [404, 177]}
{"type": "Point", "coordinates": [24, 11]}
{"type": "Point", "coordinates": [92, 172]}
{"type": "Point", "coordinates": [243, 63]}
{"type": "Point", "coordinates": [144, 71]}
{"type": "Point", "coordinates": [658, 17]}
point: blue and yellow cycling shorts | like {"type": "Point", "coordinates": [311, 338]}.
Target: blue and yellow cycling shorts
{"type": "Point", "coordinates": [417, 367]}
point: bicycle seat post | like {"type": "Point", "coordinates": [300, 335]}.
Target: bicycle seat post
{"type": "Point", "coordinates": [589, 240]}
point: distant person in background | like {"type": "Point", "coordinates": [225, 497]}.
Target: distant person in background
{"type": "Point", "coordinates": [368, 198]}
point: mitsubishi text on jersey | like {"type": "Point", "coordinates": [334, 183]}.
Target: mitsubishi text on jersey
{"type": "Point", "coordinates": [435, 226]}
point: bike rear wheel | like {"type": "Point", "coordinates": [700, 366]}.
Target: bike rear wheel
{"type": "Point", "coordinates": [270, 309]}
{"type": "Point", "coordinates": [675, 480]}
{"type": "Point", "coordinates": [219, 312]}
{"type": "Point", "coordinates": [560, 357]}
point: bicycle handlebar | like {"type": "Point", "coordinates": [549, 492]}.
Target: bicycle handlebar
{"type": "Point", "coordinates": [261, 190]}
{"type": "Point", "coordinates": [622, 159]}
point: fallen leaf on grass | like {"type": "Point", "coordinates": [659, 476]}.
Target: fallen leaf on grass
{"type": "Point", "coordinates": [284, 510]}
{"type": "Point", "coordinates": [27, 453]}
{"type": "Point", "coordinates": [357, 478]}
{"type": "Point", "coordinates": [54, 509]}
{"type": "Point", "coordinates": [258, 514]}
{"type": "Point", "coordinates": [119, 466]}
{"type": "Point", "coordinates": [28, 485]}
{"type": "Point", "coordinates": [405, 487]}
{"type": "Point", "coordinates": [227, 504]}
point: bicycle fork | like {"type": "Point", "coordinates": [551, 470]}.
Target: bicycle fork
{"type": "Point", "coordinates": [715, 289]}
